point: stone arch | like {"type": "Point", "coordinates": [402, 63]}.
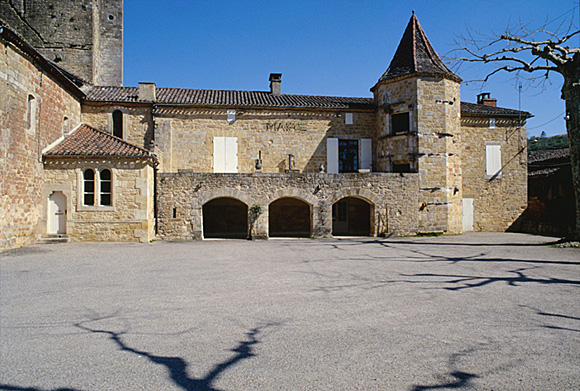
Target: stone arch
{"type": "Point", "coordinates": [290, 217]}
{"type": "Point", "coordinates": [297, 193]}
{"type": "Point", "coordinates": [353, 212]}
{"type": "Point", "coordinates": [225, 217]}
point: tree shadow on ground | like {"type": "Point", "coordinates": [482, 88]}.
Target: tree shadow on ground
{"type": "Point", "coordinates": [461, 282]}
{"type": "Point", "coordinates": [177, 366]}
{"type": "Point", "coordinates": [457, 379]}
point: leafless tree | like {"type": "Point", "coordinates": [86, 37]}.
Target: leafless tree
{"type": "Point", "coordinates": [536, 52]}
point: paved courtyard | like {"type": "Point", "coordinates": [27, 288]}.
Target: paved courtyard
{"type": "Point", "coordinates": [475, 312]}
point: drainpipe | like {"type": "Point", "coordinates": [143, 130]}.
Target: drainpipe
{"type": "Point", "coordinates": [155, 170]}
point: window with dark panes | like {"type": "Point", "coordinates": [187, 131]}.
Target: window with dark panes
{"type": "Point", "coordinates": [89, 187]}
{"type": "Point", "coordinates": [400, 123]}
{"type": "Point", "coordinates": [105, 187]}
{"type": "Point", "coordinates": [347, 155]}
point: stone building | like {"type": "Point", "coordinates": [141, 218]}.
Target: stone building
{"type": "Point", "coordinates": [185, 164]}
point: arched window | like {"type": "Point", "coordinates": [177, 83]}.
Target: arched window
{"type": "Point", "coordinates": [65, 126]}
{"type": "Point", "coordinates": [105, 187]}
{"type": "Point", "coordinates": [89, 187]}
{"type": "Point", "coordinates": [31, 113]}
{"type": "Point", "coordinates": [118, 123]}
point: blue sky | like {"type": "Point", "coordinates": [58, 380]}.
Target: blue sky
{"type": "Point", "coordinates": [337, 48]}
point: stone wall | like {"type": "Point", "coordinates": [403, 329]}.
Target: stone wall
{"type": "Point", "coordinates": [82, 36]}
{"type": "Point", "coordinates": [137, 121]}
{"type": "Point", "coordinates": [131, 216]}
{"type": "Point", "coordinates": [393, 198]}
{"type": "Point", "coordinates": [431, 147]}
{"type": "Point", "coordinates": [184, 137]}
{"type": "Point", "coordinates": [498, 201]}
{"type": "Point", "coordinates": [21, 172]}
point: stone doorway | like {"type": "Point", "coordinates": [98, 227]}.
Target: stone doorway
{"type": "Point", "coordinates": [56, 213]}
{"type": "Point", "coordinates": [225, 218]}
{"type": "Point", "coordinates": [290, 217]}
{"type": "Point", "coordinates": [351, 217]}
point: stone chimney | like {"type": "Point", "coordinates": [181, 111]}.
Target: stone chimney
{"type": "Point", "coordinates": [275, 82]}
{"type": "Point", "coordinates": [146, 92]}
{"type": "Point", "coordinates": [485, 99]}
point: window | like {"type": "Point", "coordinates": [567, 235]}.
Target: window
{"type": "Point", "coordinates": [89, 187]}
{"type": "Point", "coordinates": [400, 123]}
{"type": "Point", "coordinates": [105, 187]}
{"type": "Point", "coordinates": [347, 155]}
{"type": "Point", "coordinates": [225, 154]}
{"type": "Point", "coordinates": [118, 123]}
{"type": "Point", "coordinates": [348, 120]}
{"type": "Point", "coordinates": [401, 167]}
{"type": "Point", "coordinates": [492, 160]}
{"type": "Point", "coordinates": [31, 113]}
{"type": "Point", "coordinates": [97, 187]}
{"type": "Point", "coordinates": [65, 126]}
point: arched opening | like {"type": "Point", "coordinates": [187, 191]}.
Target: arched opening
{"type": "Point", "coordinates": [225, 218]}
{"type": "Point", "coordinates": [118, 123]}
{"type": "Point", "coordinates": [57, 213]}
{"type": "Point", "coordinates": [351, 217]}
{"type": "Point", "coordinates": [290, 217]}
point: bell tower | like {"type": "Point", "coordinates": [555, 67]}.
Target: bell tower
{"type": "Point", "coordinates": [418, 128]}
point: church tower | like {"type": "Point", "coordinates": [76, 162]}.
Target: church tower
{"type": "Point", "coordinates": [418, 125]}
{"type": "Point", "coordinates": [83, 37]}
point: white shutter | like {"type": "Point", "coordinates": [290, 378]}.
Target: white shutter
{"type": "Point", "coordinates": [348, 119]}
{"type": "Point", "coordinates": [332, 155]}
{"type": "Point", "coordinates": [231, 154]}
{"type": "Point", "coordinates": [366, 153]}
{"type": "Point", "coordinates": [493, 159]}
{"type": "Point", "coordinates": [467, 206]}
{"type": "Point", "coordinates": [219, 154]}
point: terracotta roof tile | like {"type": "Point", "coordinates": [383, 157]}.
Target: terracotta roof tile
{"type": "Point", "coordinates": [483, 110]}
{"type": "Point", "coordinates": [195, 97]}
{"type": "Point", "coordinates": [415, 55]}
{"type": "Point", "coordinates": [90, 142]}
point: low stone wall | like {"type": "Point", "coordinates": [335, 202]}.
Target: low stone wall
{"type": "Point", "coordinates": [393, 198]}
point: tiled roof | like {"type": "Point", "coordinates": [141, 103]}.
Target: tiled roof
{"type": "Point", "coordinates": [415, 55]}
{"type": "Point", "coordinates": [545, 155]}
{"type": "Point", "coordinates": [195, 97]}
{"type": "Point", "coordinates": [479, 109]}
{"type": "Point", "coordinates": [90, 142]}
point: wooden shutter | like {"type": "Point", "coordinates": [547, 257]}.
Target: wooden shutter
{"type": "Point", "coordinates": [366, 153]}
{"type": "Point", "coordinates": [332, 155]}
{"type": "Point", "coordinates": [493, 159]}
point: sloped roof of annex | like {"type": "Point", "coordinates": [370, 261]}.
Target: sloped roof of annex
{"type": "Point", "coordinates": [88, 142]}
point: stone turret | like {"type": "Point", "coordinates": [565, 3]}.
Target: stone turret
{"type": "Point", "coordinates": [419, 127]}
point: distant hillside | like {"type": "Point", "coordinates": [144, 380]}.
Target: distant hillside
{"type": "Point", "coordinates": [541, 143]}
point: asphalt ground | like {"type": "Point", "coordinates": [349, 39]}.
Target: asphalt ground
{"type": "Point", "coordinates": [479, 311]}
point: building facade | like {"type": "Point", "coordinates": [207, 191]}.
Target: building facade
{"type": "Point", "coordinates": [193, 164]}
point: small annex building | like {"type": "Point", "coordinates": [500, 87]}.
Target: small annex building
{"type": "Point", "coordinates": [139, 163]}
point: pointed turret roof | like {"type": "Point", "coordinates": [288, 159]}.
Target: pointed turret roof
{"type": "Point", "coordinates": [415, 55]}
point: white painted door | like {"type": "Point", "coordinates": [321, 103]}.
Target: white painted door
{"type": "Point", "coordinates": [57, 213]}
{"type": "Point", "coordinates": [332, 155]}
{"type": "Point", "coordinates": [225, 154]}
{"type": "Point", "coordinates": [467, 214]}
{"type": "Point", "coordinates": [366, 153]}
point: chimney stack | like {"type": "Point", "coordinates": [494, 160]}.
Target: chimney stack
{"type": "Point", "coordinates": [146, 92]}
{"type": "Point", "coordinates": [275, 82]}
{"type": "Point", "coordinates": [485, 99]}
